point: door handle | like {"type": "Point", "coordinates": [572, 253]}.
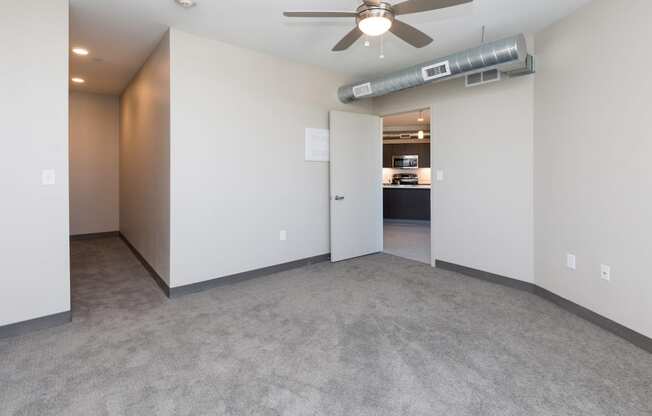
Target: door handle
{"type": "Point", "coordinates": [338, 197]}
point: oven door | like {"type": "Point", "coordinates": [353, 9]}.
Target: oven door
{"type": "Point", "coordinates": [405, 162]}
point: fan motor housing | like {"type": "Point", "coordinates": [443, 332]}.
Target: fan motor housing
{"type": "Point", "coordinates": [374, 10]}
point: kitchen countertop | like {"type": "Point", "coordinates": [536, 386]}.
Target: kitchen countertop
{"type": "Point", "coordinates": [420, 186]}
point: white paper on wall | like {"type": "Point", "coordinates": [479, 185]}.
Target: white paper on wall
{"type": "Point", "coordinates": [317, 145]}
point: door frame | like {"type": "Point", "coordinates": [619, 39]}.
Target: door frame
{"type": "Point", "coordinates": [402, 109]}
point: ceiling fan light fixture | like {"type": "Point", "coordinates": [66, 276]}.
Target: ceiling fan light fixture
{"type": "Point", "coordinates": [375, 25]}
{"type": "Point", "coordinates": [376, 17]}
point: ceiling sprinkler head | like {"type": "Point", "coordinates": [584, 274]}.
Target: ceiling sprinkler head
{"type": "Point", "coordinates": [186, 4]}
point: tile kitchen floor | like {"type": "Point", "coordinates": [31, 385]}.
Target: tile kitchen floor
{"type": "Point", "coordinates": [409, 239]}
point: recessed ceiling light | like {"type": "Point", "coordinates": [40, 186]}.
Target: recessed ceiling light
{"type": "Point", "coordinates": [186, 4]}
{"type": "Point", "coordinates": [80, 51]}
{"type": "Point", "coordinates": [78, 80]}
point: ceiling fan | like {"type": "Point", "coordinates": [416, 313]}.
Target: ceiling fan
{"type": "Point", "coordinates": [375, 17]}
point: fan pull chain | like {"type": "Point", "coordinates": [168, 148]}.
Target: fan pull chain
{"type": "Point", "coordinates": [382, 47]}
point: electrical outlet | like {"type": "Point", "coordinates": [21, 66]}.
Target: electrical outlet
{"type": "Point", "coordinates": [283, 235]}
{"type": "Point", "coordinates": [571, 261]}
{"type": "Point", "coordinates": [605, 272]}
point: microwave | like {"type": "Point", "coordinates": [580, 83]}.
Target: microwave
{"type": "Point", "coordinates": [405, 162]}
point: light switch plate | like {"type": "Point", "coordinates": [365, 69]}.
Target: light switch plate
{"type": "Point", "coordinates": [440, 175]}
{"type": "Point", "coordinates": [283, 235]}
{"type": "Point", "coordinates": [48, 177]}
{"type": "Point", "coordinates": [605, 272]}
{"type": "Point", "coordinates": [571, 261]}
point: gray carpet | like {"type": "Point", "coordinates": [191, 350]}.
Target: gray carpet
{"type": "Point", "coordinates": [378, 335]}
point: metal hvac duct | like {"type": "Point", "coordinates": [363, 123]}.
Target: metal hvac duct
{"type": "Point", "coordinates": [512, 50]}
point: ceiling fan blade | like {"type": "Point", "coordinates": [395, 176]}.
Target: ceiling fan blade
{"type": "Point", "coordinates": [418, 6]}
{"type": "Point", "coordinates": [319, 14]}
{"type": "Point", "coordinates": [348, 40]}
{"type": "Point", "coordinates": [410, 34]}
{"type": "Point", "coordinates": [372, 2]}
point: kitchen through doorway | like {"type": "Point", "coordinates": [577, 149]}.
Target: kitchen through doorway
{"type": "Point", "coordinates": [407, 185]}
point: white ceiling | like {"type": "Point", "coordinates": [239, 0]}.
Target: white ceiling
{"type": "Point", "coordinates": [122, 33]}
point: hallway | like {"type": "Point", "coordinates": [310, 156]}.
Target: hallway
{"type": "Point", "coordinates": [109, 283]}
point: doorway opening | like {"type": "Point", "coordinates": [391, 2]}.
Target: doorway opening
{"type": "Point", "coordinates": [407, 184]}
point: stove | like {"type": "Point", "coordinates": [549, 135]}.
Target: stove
{"type": "Point", "coordinates": [405, 179]}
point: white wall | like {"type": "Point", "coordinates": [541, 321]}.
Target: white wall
{"type": "Point", "coordinates": [145, 160]}
{"type": "Point", "coordinates": [482, 213]}
{"type": "Point", "coordinates": [34, 248]}
{"type": "Point", "coordinates": [94, 165]}
{"type": "Point", "coordinates": [593, 167]}
{"type": "Point", "coordinates": [238, 169]}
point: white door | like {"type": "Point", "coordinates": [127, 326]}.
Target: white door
{"type": "Point", "coordinates": [356, 176]}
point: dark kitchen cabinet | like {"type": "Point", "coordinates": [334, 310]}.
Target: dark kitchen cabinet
{"type": "Point", "coordinates": [406, 204]}
{"type": "Point", "coordinates": [422, 150]}
{"type": "Point", "coordinates": [388, 151]}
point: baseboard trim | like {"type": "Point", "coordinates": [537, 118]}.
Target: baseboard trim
{"type": "Point", "coordinates": [607, 324]}
{"type": "Point", "coordinates": [636, 338]}
{"type": "Point", "coordinates": [175, 292]}
{"type": "Point", "coordinates": [486, 276]}
{"type": "Point", "coordinates": [44, 322]}
{"type": "Point", "coordinates": [157, 278]}
{"type": "Point", "coordinates": [93, 236]}
{"type": "Point", "coordinates": [239, 277]}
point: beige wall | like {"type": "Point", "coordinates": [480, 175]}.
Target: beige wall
{"type": "Point", "coordinates": [145, 160]}
{"type": "Point", "coordinates": [593, 167]}
{"type": "Point", "coordinates": [482, 140]}
{"type": "Point", "coordinates": [94, 166]}
{"type": "Point", "coordinates": [34, 247]}
{"type": "Point", "coordinates": [238, 169]}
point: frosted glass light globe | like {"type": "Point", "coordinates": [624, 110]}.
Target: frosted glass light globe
{"type": "Point", "coordinates": [374, 25]}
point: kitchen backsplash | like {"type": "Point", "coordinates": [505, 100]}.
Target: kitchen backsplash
{"type": "Point", "coordinates": [423, 173]}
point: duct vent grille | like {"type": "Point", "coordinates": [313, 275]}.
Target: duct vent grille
{"type": "Point", "coordinates": [474, 79]}
{"type": "Point", "coordinates": [480, 78]}
{"type": "Point", "coordinates": [362, 90]}
{"type": "Point", "coordinates": [439, 70]}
